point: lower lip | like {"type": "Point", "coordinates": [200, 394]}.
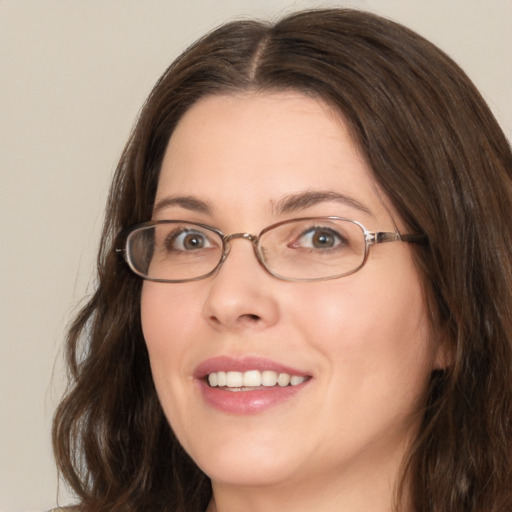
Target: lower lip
{"type": "Point", "coordinates": [248, 402]}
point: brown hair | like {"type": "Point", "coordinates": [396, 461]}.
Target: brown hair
{"type": "Point", "coordinates": [439, 155]}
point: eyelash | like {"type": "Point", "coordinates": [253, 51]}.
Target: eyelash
{"type": "Point", "coordinates": [172, 238]}
{"type": "Point", "coordinates": [176, 240]}
{"type": "Point", "coordinates": [339, 240]}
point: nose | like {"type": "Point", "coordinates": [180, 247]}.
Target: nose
{"type": "Point", "coordinates": [242, 293]}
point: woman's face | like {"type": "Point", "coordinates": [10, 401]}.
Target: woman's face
{"type": "Point", "coordinates": [362, 342]}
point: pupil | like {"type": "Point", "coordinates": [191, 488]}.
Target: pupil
{"type": "Point", "coordinates": [322, 239]}
{"type": "Point", "coordinates": [193, 242]}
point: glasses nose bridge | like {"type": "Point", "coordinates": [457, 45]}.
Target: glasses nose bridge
{"type": "Point", "coordinates": [227, 239]}
{"type": "Point", "coordinates": [246, 236]}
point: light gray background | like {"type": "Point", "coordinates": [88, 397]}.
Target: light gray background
{"type": "Point", "coordinates": [73, 76]}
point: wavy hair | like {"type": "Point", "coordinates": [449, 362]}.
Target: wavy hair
{"type": "Point", "coordinates": [437, 152]}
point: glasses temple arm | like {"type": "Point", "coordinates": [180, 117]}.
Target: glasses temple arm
{"type": "Point", "coordinates": [382, 237]}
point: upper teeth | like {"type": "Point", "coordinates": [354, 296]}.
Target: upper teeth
{"type": "Point", "coordinates": [253, 378]}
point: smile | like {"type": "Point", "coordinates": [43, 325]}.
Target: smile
{"type": "Point", "coordinates": [253, 379]}
{"type": "Point", "coordinates": [248, 385]}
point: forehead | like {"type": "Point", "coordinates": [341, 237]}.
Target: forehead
{"type": "Point", "coordinates": [248, 150]}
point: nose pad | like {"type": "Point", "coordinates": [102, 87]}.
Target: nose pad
{"type": "Point", "coordinates": [237, 298]}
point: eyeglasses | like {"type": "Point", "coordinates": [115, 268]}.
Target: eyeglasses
{"type": "Point", "coordinates": [305, 249]}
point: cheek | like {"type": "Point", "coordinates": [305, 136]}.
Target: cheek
{"type": "Point", "coordinates": [166, 315]}
{"type": "Point", "coordinates": [371, 332]}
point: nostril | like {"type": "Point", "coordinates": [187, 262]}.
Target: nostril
{"type": "Point", "coordinates": [245, 319]}
{"type": "Point", "coordinates": [251, 317]}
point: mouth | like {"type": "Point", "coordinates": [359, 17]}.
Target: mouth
{"type": "Point", "coordinates": [252, 380]}
{"type": "Point", "coordinates": [248, 385]}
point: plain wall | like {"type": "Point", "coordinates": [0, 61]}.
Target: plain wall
{"type": "Point", "coordinates": [73, 76]}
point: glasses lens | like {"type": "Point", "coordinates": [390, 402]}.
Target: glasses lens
{"type": "Point", "coordinates": [317, 248]}
{"type": "Point", "coordinates": [173, 251]}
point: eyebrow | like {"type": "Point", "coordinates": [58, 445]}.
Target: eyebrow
{"type": "Point", "coordinates": [303, 200]}
{"type": "Point", "coordinates": [288, 204]}
{"type": "Point", "coordinates": [187, 202]}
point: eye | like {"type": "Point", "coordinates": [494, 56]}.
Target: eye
{"type": "Point", "coordinates": [319, 238]}
{"type": "Point", "coordinates": [187, 240]}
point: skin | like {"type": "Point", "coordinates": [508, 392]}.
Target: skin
{"type": "Point", "coordinates": [364, 339]}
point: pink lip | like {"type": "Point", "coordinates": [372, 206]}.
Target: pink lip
{"type": "Point", "coordinates": [245, 402]}
{"type": "Point", "coordinates": [243, 364]}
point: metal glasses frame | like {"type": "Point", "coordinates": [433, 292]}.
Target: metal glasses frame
{"type": "Point", "coordinates": [370, 237]}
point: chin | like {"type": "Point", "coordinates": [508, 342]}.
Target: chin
{"type": "Point", "coordinates": [248, 462]}
{"type": "Point", "coordinates": [247, 472]}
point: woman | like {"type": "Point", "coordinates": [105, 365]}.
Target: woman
{"type": "Point", "coordinates": [358, 355]}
